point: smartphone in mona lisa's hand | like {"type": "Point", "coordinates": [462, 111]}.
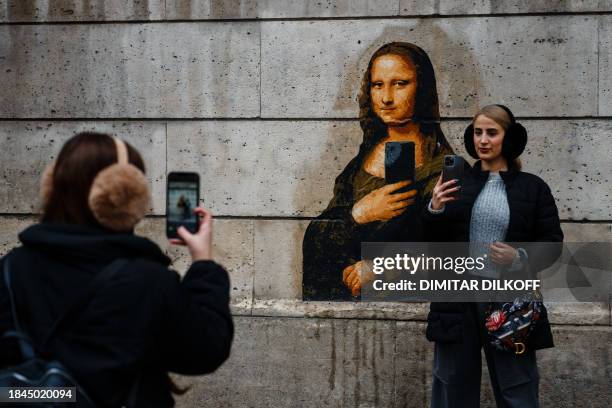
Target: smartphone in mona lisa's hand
{"type": "Point", "coordinates": [182, 196]}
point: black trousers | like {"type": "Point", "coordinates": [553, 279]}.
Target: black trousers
{"type": "Point", "coordinates": [457, 370]}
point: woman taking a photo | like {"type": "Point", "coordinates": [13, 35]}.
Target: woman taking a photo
{"type": "Point", "coordinates": [139, 323]}
{"type": "Point", "coordinates": [497, 204]}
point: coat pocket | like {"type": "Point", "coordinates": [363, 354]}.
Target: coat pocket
{"type": "Point", "coordinates": [445, 327]}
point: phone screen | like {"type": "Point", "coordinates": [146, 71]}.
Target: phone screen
{"type": "Point", "coordinates": [182, 198]}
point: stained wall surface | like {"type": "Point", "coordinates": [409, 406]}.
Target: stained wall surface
{"type": "Point", "coordinates": [259, 97]}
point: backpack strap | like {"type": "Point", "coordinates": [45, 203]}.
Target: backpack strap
{"type": "Point", "coordinates": [25, 344]}
{"type": "Point", "coordinates": [76, 307]}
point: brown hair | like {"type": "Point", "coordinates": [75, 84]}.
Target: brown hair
{"type": "Point", "coordinates": [500, 116]}
{"type": "Point", "coordinates": [79, 161]}
{"type": "Point", "coordinates": [426, 111]}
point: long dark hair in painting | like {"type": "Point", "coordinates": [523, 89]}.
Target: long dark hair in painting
{"type": "Point", "coordinates": [332, 243]}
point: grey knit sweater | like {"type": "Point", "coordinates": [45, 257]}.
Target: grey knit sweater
{"type": "Point", "coordinates": [489, 222]}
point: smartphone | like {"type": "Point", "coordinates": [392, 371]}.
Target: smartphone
{"type": "Point", "coordinates": [182, 196]}
{"type": "Point", "coordinates": [399, 162]}
{"type": "Point", "coordinates": [453, 169]}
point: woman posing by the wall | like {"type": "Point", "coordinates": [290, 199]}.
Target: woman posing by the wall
{"type": "Point", "coordinates": [498, 204]}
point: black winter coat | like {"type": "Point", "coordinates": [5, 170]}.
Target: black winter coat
{"type": "Point", "coordinates": [533, 218]}
{"type": "Point", "coordinates": [143, 322]}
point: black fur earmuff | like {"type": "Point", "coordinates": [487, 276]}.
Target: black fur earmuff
{"type": "Point", "coordinates": [513, 145]}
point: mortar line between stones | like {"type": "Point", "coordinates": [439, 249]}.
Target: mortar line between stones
{"type": "Point", "coordinates": [307, 19]}
{"type": "Point", "coordinates": [289, 218]}
{"type": "Point", "coordinates": [273, 119]}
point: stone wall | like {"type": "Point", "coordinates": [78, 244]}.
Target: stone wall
{"type": "Point", "coordinates": [259, 97]}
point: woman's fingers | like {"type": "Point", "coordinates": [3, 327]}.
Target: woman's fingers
{"type": "Point", "coordinates": [184, 234]}
{"type": "Point", "coordinates": [176, 241]}
{"type": "Point", "coordinates": [206, 216]}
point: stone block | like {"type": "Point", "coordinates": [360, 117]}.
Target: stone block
{"type": "Point", "coordinates": [576, 372]}
{"type": "Point", "coordinates": [236, 9]}
{"type": "Point", "coordinates": [73, 10]}
{"type": "Point", "coordinates": [579, 232]}
{"type": "Point", "coordinates": [522, 6]}
{"type": "Point", "coordinates": [278, 259]}
{"type": "Point", "coordinates": [28, 147]}
{"type": "Point", "coordinates": [544, 66]}
{"type": "Point", "coordinates": [263, 168]}
{"type": "Point", "coordinates": [413, 365]}
{"type": "Point", "coordinates": [301, 362]}
{"type": "Point", "coordinates": [418, 7]}
{"type": "Point", "coordinates": [232, 248]}
{"type": "Point", "coordinates": [342, 363]}
{"type": "Point", "coordinates": [129, 70]}
{"type": "Point", "coordinates": [571, 156]}
{"type": "Point", "coordinates": [605, 65]}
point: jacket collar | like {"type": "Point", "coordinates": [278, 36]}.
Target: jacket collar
{"type": "Point", "coordinates": [90, 243]}
{"type": "Point", "coordinates": [508, 176]}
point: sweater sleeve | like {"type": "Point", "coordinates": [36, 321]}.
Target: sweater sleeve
{"type": "Point", "coordinates": [198, 329]}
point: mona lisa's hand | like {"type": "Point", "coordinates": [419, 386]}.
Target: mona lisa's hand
{"type": "Point", "coordinates": [383, 203]}
{"type": "Point", "coordinates": [355, 275]}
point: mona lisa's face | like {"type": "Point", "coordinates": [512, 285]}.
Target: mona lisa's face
{"type": "Point", "coordinates": [393, 89]}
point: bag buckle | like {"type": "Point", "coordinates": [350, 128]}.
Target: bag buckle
{"type": "Point", "coordinates": [519, 348]}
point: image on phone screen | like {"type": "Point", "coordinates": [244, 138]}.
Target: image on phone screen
{"type": "Point", "coordinates": [182, 198]}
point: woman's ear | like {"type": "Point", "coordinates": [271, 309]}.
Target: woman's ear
{"type": "Point", "coordinates": [46, 184]}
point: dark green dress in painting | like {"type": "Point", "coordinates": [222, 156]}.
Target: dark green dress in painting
{"type": "Point", "coordinates": [333, 240]}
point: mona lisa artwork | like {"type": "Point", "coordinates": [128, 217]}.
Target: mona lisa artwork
{"type": "Point", "coordinates": [398, 102]}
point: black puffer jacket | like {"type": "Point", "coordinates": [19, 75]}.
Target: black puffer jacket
{"type": "Point", "coordinates": [142, 322]}
{"type": "Point", "coordinates": [533, 218]}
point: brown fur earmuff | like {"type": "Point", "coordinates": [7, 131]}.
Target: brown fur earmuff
{"type": "Point", "coordinates": [46, 184]}
{"type": "Point", "coordinates": [119, 194]}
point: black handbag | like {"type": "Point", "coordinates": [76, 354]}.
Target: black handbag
{"type": "Point", "coordinates": [35, 371]}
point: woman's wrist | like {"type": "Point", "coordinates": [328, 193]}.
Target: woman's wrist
{"type": "Point", "coordinates": [433, 210]}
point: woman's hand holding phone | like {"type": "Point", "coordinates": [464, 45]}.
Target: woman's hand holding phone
{"type": "Point", "coordinates": [383, 203]}
{"type": "Point", "coordinates": [442, 193]}
{"type": "Point", "coordinates": [200, 243]}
